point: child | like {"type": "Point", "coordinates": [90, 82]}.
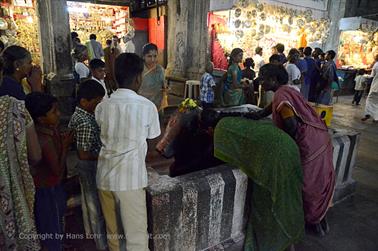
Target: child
{"type": "Point", "coordinates": [97, 67]}
{"type": "Point", "coordinates": [359, 87]}
{"type": "Point", "coordinates": [207, 87]}
{"type": "Point", "coordinates": [50, 198]}
{"type": "Point", "coordinates": [248, 71]}
{"type": "Point", "coordinates": [126, 120]}
{"type": "Point", "coordinates": [87, 135]}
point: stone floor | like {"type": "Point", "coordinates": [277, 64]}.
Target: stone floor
{"type": "Point", "coordinates": [353, 222]}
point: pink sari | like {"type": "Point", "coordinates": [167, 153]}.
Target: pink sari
{"type": "Point", "coordinates": [316, 152]}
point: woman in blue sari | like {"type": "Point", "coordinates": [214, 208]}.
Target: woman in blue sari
{"type": "Point", "coordinates": [233, 93]}
{"type": "Point", "coordinates": [153, 76]}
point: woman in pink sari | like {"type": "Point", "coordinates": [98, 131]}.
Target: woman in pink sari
{"type": "Point", "coordinates": [295, 116]}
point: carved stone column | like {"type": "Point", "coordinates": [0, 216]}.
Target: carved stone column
{"type": "Point", "coordinates": [187, 37]}
{"type": "Point", "coordinates": [56, 50]}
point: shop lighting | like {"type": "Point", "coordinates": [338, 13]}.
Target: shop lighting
{"type": "Point", "coordinates": [29, 19]}
{"type": "Point", "coordinates": [77, 10]}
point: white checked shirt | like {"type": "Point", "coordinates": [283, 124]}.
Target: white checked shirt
{"type": "Point", "coordinates": [126, 120]}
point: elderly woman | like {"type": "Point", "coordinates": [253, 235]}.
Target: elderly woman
{"type": "Point", "coordinates": [295, 116]}
{"type": "Point", "coordinates": [233, 90]}
{"type": "Point", "coordinates": [153, 76]}
{"type": "Point", "coordinates": [81, 55]}
{"type": "Point", "coordinates": [17, 67]}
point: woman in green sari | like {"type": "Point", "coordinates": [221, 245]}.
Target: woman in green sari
{"type": "Point", "coordinates": [153, 76]}
{"type": "Point", "coordinates": [233, 92]}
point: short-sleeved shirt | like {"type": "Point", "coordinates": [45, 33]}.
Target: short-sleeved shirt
{"type": "Point", "coordinates": [49, 171]}
{"type": "Point", "coordinates": [359, 83]}
{"type": "Point", "coordinates": [126, 121]}
{"type": "Point", "coordinates": [12, 88]}
{"type": "Point", "coordinates": [82, 70]}
{"type": "Point", "coordinates": [293, 72]}
{"type": "Point", "coordinates": [207, 92]}
{"type": "Point", "coordinates": [102, 83]}
{"type": "Point", "coordinates": [86, 131]}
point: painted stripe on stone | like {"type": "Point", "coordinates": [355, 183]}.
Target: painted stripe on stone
{"type": "Point", "coordinates": [228, 204]}
{"type": "Point", "coordinates": [175, 219]}
{"type": "Point", "coordinates": [239, 203]}
{"type": "Point", "coordinates": [340, 143]}
{"type": "Point", "coordinates": [340, 175]}
{"type": "Point", "coordinates": [189, 216]}
{"type": "Point", "coordinates": [216, 183]}
{"type": "Point", "coordinates": [203, 208]}
{"type": "Point", "coordinates": [336, 151]}
{"type": "Point", "coordinates": [351, 156]}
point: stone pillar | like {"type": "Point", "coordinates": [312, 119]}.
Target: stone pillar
{"type": "Point", "coordinates": [336, 11]}
{"type": "Point", "coordinates": [187, 38]}
{"type": "Point", "coordinates": [56, 51]}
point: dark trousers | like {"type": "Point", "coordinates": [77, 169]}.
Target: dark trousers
{"type": "Point", "coordinates": [50, 204]}
{"type": "Point", "coordinates": [206, 105]}
{"type": "Point", "coordinates": [357, 96]}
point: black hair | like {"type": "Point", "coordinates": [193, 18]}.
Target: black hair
{"type": "Point", "coordinates": [79, 51]}
{"type": "Point", "coordinates": [74, 34]}
{"type": "Point", "coordinates": [39, 104]}
{"type": "Point", "coordinates": [89, 90]}
{"type": "Point", "coordinates": [332, 53]}
{"type": "Point", "coordinates": [234, 53]}
{"type": "Point", "coordinates": [258, 50]}
{"type": "Point", "coordinates": [293, 54]}
{"type": "Point", "coordinates": [361, 72]}
{"type": "Point", "coordinates": [149, 47]}
{"type": "Point", "coordinates": [307, 51]}
{"type": "Point", "coordinates": [12, 54]}
{"type": "Point", "coordinates": [277, 72]}
{"type": "Point", "coordinates": [249, 63]}
{"type": "Point", "coordinates": [2, 46]}
{"type": "Point", "coordinates": [274, 57]}
{"type": "Point", "coordinates": [108, 41]}
{"type": "Point", "coordinates": [280, 47]}
{"type": "Point", "coordinates": [92, 36]}
{"type": "Point", "coordinates": [127, 67]}
{"type": "Point", "coordinates": [300, 49]}
{"type": "Point", "coordinates": [96, 63]}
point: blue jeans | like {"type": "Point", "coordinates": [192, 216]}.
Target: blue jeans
{"type": "Point", "coordinates": [50, 204]}
{"type": "Point", "coordinates": [94, 223]}
{"type": "Point", "coordinates": [325, 97]}
{"type": "Point", "coordinates": [305, 90]}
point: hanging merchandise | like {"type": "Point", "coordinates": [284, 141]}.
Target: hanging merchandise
{"type": "Point", "coordinates": [102, 20]}
{"type": "Point", "coordinates": [358, 43]}
{"type": "Point", "coordinates": [250, 24]}
{"type": "Point", "coordinates": [19, 26]}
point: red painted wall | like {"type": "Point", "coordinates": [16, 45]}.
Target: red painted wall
{"type": "Point", "coordinates": [156, 32]}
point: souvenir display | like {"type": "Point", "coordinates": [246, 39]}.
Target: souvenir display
{"type": "Point", "coordinates": [102, 20]}
{"type": "Point", "coordinates": [250, 24]}
{"type": "Point", "coordinates": [19, 26]}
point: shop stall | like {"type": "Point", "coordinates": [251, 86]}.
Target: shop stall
{"type": "Point", "coordinates": [358, 45]}
{"type": "Point", "coordinates": [19, 25]}
{"type": "Point", "coordinates": [103, 20]}
{"type": "Point", "coordinates": [251, 24]}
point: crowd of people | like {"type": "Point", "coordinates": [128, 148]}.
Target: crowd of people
{"type": "Point", "coordinates": [118, 100]}
{"type": "Point", "coordinates": [109, 128]}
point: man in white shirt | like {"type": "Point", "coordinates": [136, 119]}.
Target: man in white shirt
{"type": "Point", "coordinates": [97, 67]}
{"type": "Point", "coordinates": [259, 60]}
{"type": "Point", "coordinates": [126, 120]}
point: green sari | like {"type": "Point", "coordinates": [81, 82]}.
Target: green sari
{"type": "Point", "coordinates": [152, 84]}
{"type": "Point", "coordinates": [270, 158]}
{"type": "Point", "coordinates": [17, 190]}
{"type": "Point", "coordinates": [233, 97]}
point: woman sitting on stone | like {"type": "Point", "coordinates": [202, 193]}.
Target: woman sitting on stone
{"type": "Point", "coordinates": [153, 76]}
{"type": "Point", "coordinates": [233, 89]}
{"type": "Point", "coordinates": [295, 116]}
{"type": "Point", "coordinates": [18, 68]}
